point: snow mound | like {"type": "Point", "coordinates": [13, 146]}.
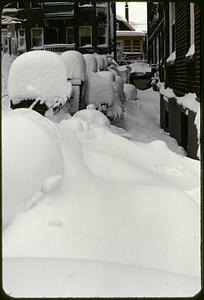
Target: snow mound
{"type": "Point", "coordinates": [92, 117]}
{"type": "Point", "coordinates": [38, 75]}
{"type": "Point", "coordinates": [75, 64]}
{"type": "Point", "coordinates": [130, 92]}
{"type": "Point", "coordinates": [98, 91]}
{"type": "Point", "coordinates": [91, 62]}
{"type": "Point", "coordinates": [31, 155]}
{"type": "Point", "coordinates": [100, 61]}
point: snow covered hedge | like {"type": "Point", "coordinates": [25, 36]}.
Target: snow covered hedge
{"type": "Point", "coordinates": [75, 64]}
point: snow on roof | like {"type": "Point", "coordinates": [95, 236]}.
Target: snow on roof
{"type": "Point", "coordinates": [120, 18]}
{"type": "Point", "coordinates": [129, 33]}
{"type": "Point", "coordinates": [75, 64]}
{"type": "Point", "coordinates": [38, 75]}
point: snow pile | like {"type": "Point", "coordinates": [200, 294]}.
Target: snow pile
{"type": "Point", "coordinates": [105, 60]}
{"type": "Point", "coordinates": [100, 61]}
{"type": "Point", "coordinates": [92, 116]}
{"type": "Point", "coordinates": [91, 63]}
{"type": "Point", "coordinates": [110, 183]}
{"type": "Point", "coordinates": [31, 158]}
{"type": "Point", "coordinates": [75, 64]}
{"type": "Point", "coordinates": [171, 57]}
{"type": "Point", "coordinates": [130, 92]}
{"type": "Point", "coordinates": [38, 75]}
{"type": "Point", "coordinates": [140, 67]}
{"type": "Point", "coordinates": [167, 93]}
{"type": "Point", "coordinates": [191, 51]}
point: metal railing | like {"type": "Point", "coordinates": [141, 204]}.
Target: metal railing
{"type": "Point", "coordinates": [56, 47]}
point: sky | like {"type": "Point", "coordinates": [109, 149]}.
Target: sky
{"type": "Point", "coordinates": [137, 11]}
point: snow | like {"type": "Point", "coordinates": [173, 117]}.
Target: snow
{"type": "Point", "coordinates": [197, 123]}
{"type": "Point", "coordinates": [110, 204]}
{"type": "Point", "coordinates": [92, 116]}
{"type": "Point", "coordinates": [91, 62]}
{"type": "Point", "coordinates": [129, 33]}
{"type": "Point", "coordinates": [103, 279]}
{"type": "Point", "coordinates": [171, 57]}
{"type": "Point", "coordinates": [108, 75]}
{"type": "Point", "coordinates": [120, 18]}
{"type": "Point", "coordinates": [100, 61]}
{"type": "Point", "coordinates": [42, 76]}
{"type": "Point", "coordinates": [191, 50]}
{"type": "Point", "coordinates": [98, 91]}
{"type": "Point", "coordinates": [130, 92]}
{"type": "Point", "coordinates": [188, 101]}
{"type": "Point", "coordinates": [75, 64]}
{"type": "Point", "coordinates": [140, 67]}
{"type": "Point", "coordinates": [26, 167]}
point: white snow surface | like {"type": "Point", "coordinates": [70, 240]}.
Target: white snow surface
{"type": "Point", "coordinates": [129, 33]}
{"type": "Point", "coordinates": [191, 50]}
{"type": "Point", "coordinates": [75, 64]}
{"type": "Point", "coordinates": [26, 167]}
{"type": "Point", "coordinates": [140, 66]}
{"type": "Point", "coordinates": [171, 57]}
{"type": "Point", "coordinates": [100, 61]}
{"type": "Point", "coordinates": [98, 90]}
{"type": "Point", "coordinates": [6, 61]}
{"type": "Point", "coordinates": [126, 209]}
{"type": "Point", "coordinates": [91, 63]}
{"type": "Point", "coordinates": [38, 75]}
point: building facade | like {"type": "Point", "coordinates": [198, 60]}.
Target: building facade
{"type": "Point", "coordinates": [174, 52]}
{"type": "Point", "coordinates": [61, 25]}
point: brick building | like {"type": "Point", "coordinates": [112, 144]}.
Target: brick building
{"type": "Point", "coordinates": [174, 52]}
{"type": "Point", "coordinates": [61, 25]}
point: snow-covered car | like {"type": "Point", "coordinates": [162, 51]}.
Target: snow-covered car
{"type": "Point", "coordinates": [131, 57]}
{"type": "Point", "coordinates": [38, 80]}
{"type": "Point", "coordinates": [140, 75]}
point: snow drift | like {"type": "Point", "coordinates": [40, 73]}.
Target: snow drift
{"type": "Point", "coordinates": [75, 64]}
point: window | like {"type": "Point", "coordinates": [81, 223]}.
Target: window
{"type": "Point", "coordinates": [21, 40]}
{"type": "Point", "coordinates": [127, 45]}
{"type": "Point", "coordinates": [172, 40]}
{"type": "Point", "coordinates": [37, 37]}
{"type": "Point", "coordinates": [70, 35]}
{"type": "Point", "coordinates": [136, 45]}
{"type": "Point", "coordinates": [85, 35]}
{"type": "Point", "coordinates": [101, 35]}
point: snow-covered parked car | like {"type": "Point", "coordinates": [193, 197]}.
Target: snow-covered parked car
{"type": "Point", "coordinates": [76, 72]}
{"type": "Point", "coordinates": [140, 75]}
{"type": "Point", "coordinates": [37, 79]}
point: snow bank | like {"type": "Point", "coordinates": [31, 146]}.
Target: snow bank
{"type": "Point", "coordinates": [130, 92]}
{"type": "Point", "coordinates": [31, 157]}
{"type": "Point", "coordinates": [91, 62]}
{"type": "Point", "coordinates": [75, 64]}
{"type": "Point", "coordinates": [197, 123]}
{"type": "Point", "coordinates": [38, 75]}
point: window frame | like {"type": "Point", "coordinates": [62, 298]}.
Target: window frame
{"type": "Point", "coordinates": [34, 28]}
{"type": "Point", "coordinates": [85, 26]}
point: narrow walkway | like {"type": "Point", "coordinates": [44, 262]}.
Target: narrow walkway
{"type": "Point", "coordinates": [142, 120]}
